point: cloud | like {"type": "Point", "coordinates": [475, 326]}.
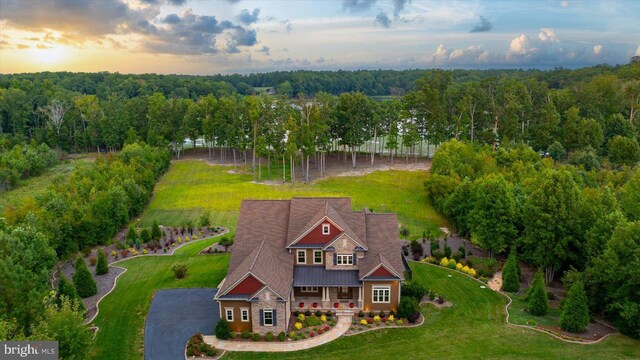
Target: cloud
{"type": "Point", "coordinates": [564, 4]}
{"type": "Point", "coordinates": [356, 6]}
{"type": "Point", "coordinates": [484, 26]}
{"type": "Point", "coordinates": [398, 6]}
{"type": "Point", "coordinates": [597, 50]}
{"type": "Point", "coordinates": [547, 35]}
{"type": "Point", "coordinates": [472, 55]}
{"type": "Point", "coordinates": [265, 50]}
{"type": "Point", "coordinates": [383, 20]}
{"type": "Point", "coordinates": [240, 37]}
{"type": "Point", "coordinates": [288, 26]}
{"type": "Point", "coordinates": [22, 46]}
{"type": "Point", "coordinates": [638, 51]}
{"type": "Point", "coordinates": [247, 17]}
{"type": "Point", "coordinates": [320, 60]}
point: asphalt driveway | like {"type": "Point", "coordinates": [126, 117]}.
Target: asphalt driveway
{"type": "Point", "coordinates": [175, 315]}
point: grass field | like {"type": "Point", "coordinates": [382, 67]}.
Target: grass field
{"type": "Point", "coordinates": [190, 187]}
{"type": "Point", "coordinates": [123, 312]}
{"type": "Point", "coordinates": [34, 186]}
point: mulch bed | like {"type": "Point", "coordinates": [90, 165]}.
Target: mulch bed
{"type": "Point", "coordinates": [594, 331]}
{"type": "Point", "coordinates": [454, 242]}
{"type": "Point", "coordinates": [434, 302]}
{"type": "Point", "coordinates": [105, 282]}
{"type": "Point", "coordinates": [357, 328]}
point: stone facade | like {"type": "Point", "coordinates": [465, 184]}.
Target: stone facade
{"type": "Point", "coordinates": [343, 245]}
{"type": "Point", "coordinates": [269, 300]}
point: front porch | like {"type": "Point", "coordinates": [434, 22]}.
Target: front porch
{"type": "Point", "coordinates": [339, 298]}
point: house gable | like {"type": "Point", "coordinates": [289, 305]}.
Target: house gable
{"type": "Point", "coordinates": [248, 286]}
{"type": "Point", "coordinates": [382, 272]}
{"type": "Point", "coordinates": [317, 236]}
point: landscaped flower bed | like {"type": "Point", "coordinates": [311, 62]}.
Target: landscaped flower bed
{"type": "Point", "coordinates": [196, 347]}
{"type": "Point", "coordinates": [377, 319]}
{"type": "Point", "coordinates": [308, 324]}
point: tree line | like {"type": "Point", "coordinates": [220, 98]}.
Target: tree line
{"type": "Point", "coordinates": [557, 217]}
{"type": "Point", "coordinates": [23, 161]}
{"type": "Point", "coordinates": [588, 121]}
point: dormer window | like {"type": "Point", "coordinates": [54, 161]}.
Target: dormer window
{"type": "Point", "coordinates": [325, 229]}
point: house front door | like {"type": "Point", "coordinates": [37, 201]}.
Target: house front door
{"type": "Point", "coordinates": [344, 292]}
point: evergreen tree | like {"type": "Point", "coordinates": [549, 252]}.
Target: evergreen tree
{"type": "Point", "coordinates": [131, 236]}
{"type": "Point", "coordinates": [102, 267]}
{"type": "Point", "coordinates": [511, 273]}
{"type": "Point", "coordinates": [156, 233]}
{"type": "Point", "coordinates": [145, 236]}
{"type": "Point", "coordinates": [537, 301]}
{"type": "Point", "coordinates": [68, 290]}
{"type": "Point", "coordinates": [222, 329]}
{"type": "Point", "coordinates": [82, 279]}
{"type": "Point", "coordinates": [575, 311]}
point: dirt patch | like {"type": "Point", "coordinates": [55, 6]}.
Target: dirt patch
{"type": "Point", "coordinates": [495, 283]}
{"type": "Point", "coordinates": [434, 302]}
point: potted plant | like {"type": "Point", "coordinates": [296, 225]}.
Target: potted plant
{"type": "Point", "coordinates": [301, 305]}
{"type": "Point", "coordinates": [351, 305]}
{"type": "Point", "coordinates": [315, 305]}
{"type": "Point", "coordinates": [335, 305]}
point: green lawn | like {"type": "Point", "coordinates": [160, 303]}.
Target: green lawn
{"type": "Point", "coordinates": [518, 315]}
{"type": "Point", "coordinates": [474, 328]}
{"type": "Point", "coordinates": [191, 187]}
{"type": "Point", "coordinates": [123, 312]}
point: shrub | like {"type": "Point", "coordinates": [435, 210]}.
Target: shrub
{"type": "Point", "coordinates": [465, 269]}
{"type": "Point", "coordinates": [414, 317]}
{"type": "Point", "coordinates": [438, 254]}
{"type": "Point", "coordinates": [363, 322]}
{"type": "Point", "coordinates": [114, 254]}
{"type": "Point", "coordinates": [451, 264]}
{"type": "Point", "coordinates": [444, 261]}
{"type": "Point", "coordinates": [382, 314]}
{"type": "Point", "coordinates": [83, 281]}
{"type": "Point", "coordinates": [462, 251]}
{"type": "Point", "coordinates": [416, 248]}
{"type": "Point", "coordinates": [156, 233]}
{"type": "Point", "coordinates": [124, 253]}
{"type": "Point", "coordinates": [575, 310]}
{"type": "Point", "coordinates": [282, 336]}
{"type": "Point", "coordinates": [472, 272]}
{"type": "Point", "coordinates": [323, 318]}
{"type": "Point", "coordinates": [407, 307]}
{"type": "Point", "coordinates": [457, 256]}
{"type": "Point", "coordinates": [376, 318]}
{"type": "Point", "coordinates": [292, 335]}
{"type": "Point", "coordinates": [537, 302]}
{"type": "Point", "coordinates": [391, 318]}
{"type": "Point", "coordinates": [318, 313]}
{"type": "Point", "coordinates": [433, 247]}
{"type": "Point", "coordinates": [301, 317]}
{"type": "Point", "coordinates": [93, 260]}
{"type": "Point", "coordinates": [179, 270]}
{"type": "Point", "coordinates": [312, 334]}
{"type": "Point", "coordinates": [414, 290]}
{"type": "Point", "coordinates": [459, 266]}
{"type": "Point", "coordinates": [404, 232]}
{"type": "Point", "coordinates": [400, 322]}
{"type": "Point", "coordinates": [255, 337]}
{"type": "Point", "coordinates": [392, 313]}
{"type": "Point", "coordinates": [222, 329]}
{"type": "Point", "coordinates": [268, 336]}
{"type": "Point", "coordinates": [67, 290]}
{"type": "Point", "coordinates": [484, 266]}
{"type": "Point", "coordinates": [447, 251]}
{"type": "Point", "coordinates": [245, 334]}
{"type": "Point", "coordinates": [296, 313]}
{"type": "Point", "coordinates": [430, 260]}
{"type": "Point", "coordinates": [329, 313]}
{"type": "Point", "coordinates": [145, 251]}
{"type": "Point", "coordinates": [432, 294]}
{"type": "Point", "coordinates": [298, 325]}
{"type": "Point", "coordinates": [197, 347]}
{"type": "Point", "coordinates": [145, 236]}
{"type": "Point", "coordinates": [307, 313]}
{"type": "Point", "coordinates": [361, 314]}
{"type": "Point", "coordinates": [371, 314]}
{"type": "Point", "coordinates": [102, 267]}
{"type": "Point", "coordinates": [313, 321]}
{"type": "Point", "coordinates": [440, 300]}
{"type": "Point", "coordinates": [510, 274]}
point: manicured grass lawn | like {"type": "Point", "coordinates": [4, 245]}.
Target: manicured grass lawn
{"type": "Point", "coordinates": [473, 328]}
{"type": "Point", "coordinates": [521, 317]}
{"type": "Point", "coordinates": [191, 187]}
{"type": "Point", "coordinates": [123, 312]}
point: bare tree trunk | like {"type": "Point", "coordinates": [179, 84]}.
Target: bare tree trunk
{"type": "Point", "coordinates": [353, 156]}
{"type": "Point", "coordinates": [235, 163]}
{"type": "Point", "coordinates": [373, 153]}
{"type": "Point", "coordinates": [268, 164]}
{"type": "Point", "coordinates": [260, 168]}
{"type": "Point", "coordinates": [284, 171]}
{"type": "Point", "coordinates": [428, 149]}
{"type": "Point", "coordinates": [307, 172]}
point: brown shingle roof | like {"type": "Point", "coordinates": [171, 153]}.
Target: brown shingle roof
{"type": "Point", "coordinates": [384, 244]}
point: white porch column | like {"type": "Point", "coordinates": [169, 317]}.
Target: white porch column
{"type": "Point", "coordinates": [293, 296]}
{"type": "Point", "coordinates": [360, 291]}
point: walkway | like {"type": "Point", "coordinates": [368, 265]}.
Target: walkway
{"type": "Point", "coordinates": [343, 324]}
{"type": "Point", "coordinates": [175, 315]}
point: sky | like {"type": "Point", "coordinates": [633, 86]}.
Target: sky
{"type": "Point", "coordinates": [245, 36]}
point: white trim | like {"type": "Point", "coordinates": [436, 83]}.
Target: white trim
{"type": "Point", "coordinates": [339, 256]}
{"type": "Point", "coordinates": [263, 289]}
{"type": "Point", "coordinates": [226, 313]}
{"type": "Point", "coordinates": [298, 252]}
{"type": "Point", "coordinates": [373, 292]}
{"type": "Point", "coordinates": [326, 227]}
{"type": "Point", "coordinates": [340, 237]}
{"type": "Point", "coordinates": [321, 257]}
{"type": "Point", "coordinates": [264, 317]}
{"type": "Point", "coordinates": [377, 267]}
{"type": "Point", "coordinates": [313, 227]}
{"type": "Point", "coordinates": [242, 310]}
{"type": "Point", "coordinates": [309, 289]}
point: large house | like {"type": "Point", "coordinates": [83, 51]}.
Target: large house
{"type": "Point", "coordinates": [309, 253]}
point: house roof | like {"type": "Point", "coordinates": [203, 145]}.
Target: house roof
{"type": "Point", "coordinates": [266, 227]}
{"type": "Point", "coordinates": [319, 276]}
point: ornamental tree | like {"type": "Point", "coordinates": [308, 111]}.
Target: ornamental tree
{"type": "Point", "coordinates": [537, 302]}
{"type": "Point", "coordinates": [102, 267]}
{"type": "Point", "coordinates": [156, 233]}
{"type": "Point", "coordinates": [511, 273]}
{"type": "Point", "coordinates": [82, 279]}
{"type": "Point", "coordinates": [575, 311]}
{"type": "Point", "coordinates": [66, 289]}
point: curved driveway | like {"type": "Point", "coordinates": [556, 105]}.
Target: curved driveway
{"type": "Point", "coordinates": [175, 315]}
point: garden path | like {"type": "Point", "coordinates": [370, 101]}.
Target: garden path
{"type": "Point", "coordinates": [342, 326]}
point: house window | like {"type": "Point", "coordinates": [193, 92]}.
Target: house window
{"type": "Point", "coordinates": [309, 289]}
{"type": "Point", "coordinates": [344, 259]}
{"type": "Point", "coordinates": [229, 314]}
{"type": "Point", "coordinates": [244, 315]}
{"type": "Point", "coordinates": [317, 256]}
{"type": "Point", "coordinates": [381, 294]}
{"type": "Point", "coordinates": [326, 229]}
{"type": "Point", "coordinates": [268, 317]}
{"type": "Point", "coordinates": [302, 256]}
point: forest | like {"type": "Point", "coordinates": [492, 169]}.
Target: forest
{"type": "Point", "coordinates": [543, 162]}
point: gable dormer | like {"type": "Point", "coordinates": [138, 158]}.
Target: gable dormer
{"type": "Point", "coordinates": [324, 232]}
